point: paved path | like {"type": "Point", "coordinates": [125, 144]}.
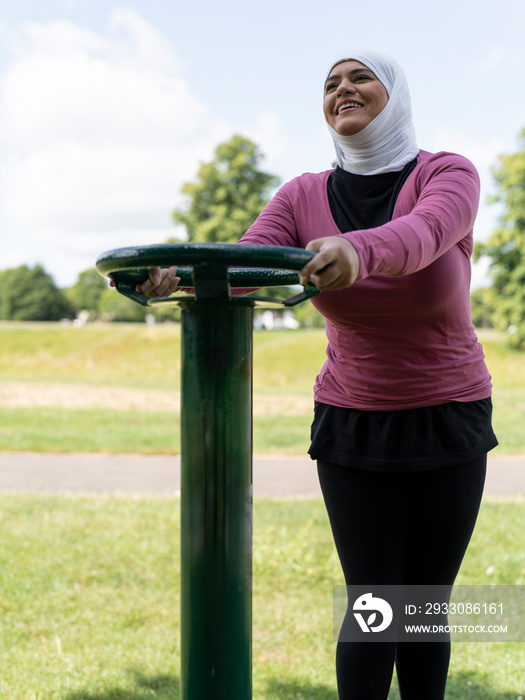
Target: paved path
{"type": "Point", "coordinates": [273, 476]}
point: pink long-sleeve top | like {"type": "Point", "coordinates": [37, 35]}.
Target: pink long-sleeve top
{"type": "Point", "coordinates": [401, 336]}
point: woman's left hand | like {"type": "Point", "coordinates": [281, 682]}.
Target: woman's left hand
{"type": "Point", "coordinates": [335, 266]}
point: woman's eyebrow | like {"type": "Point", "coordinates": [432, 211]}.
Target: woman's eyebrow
{"type": "Point", "coordinates": [336, 76]}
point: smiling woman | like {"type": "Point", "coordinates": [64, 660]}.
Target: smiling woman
{"type": "Point", "coordinates": [402, 418]}
{"type": "Point", "coordinates": [353, 97]}
{"type": "Point", "coordinates": [389, 140]}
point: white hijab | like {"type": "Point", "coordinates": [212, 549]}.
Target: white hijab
{"type": "Point", "coordinates": [388, 143]}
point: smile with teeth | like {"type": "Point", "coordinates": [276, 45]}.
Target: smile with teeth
{"type": "Point", "coordinates": [348, 105]}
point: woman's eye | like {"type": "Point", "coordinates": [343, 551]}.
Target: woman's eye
{"type": "Point", "coordinates": [331, 86]}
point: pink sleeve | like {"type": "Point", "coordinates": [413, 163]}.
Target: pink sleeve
{"type": "Point", "coordinates": [276, 224]}
{"type": "Point", "coordinates": [442, 216]}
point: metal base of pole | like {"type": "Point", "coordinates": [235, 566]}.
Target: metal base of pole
{"type": "Point", "coordinates": [216, 501]}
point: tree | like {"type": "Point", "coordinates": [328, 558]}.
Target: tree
{"type": "Point", "coordinates": [506, 246]}
{"type": "Point", "coordinates": [116, 307]}
{"type": "Point", "coordinates": [30, 294]}
{"type": "Point", "coordinates": [229, 193]}
{"type": "Point", "coordinates": [87, 291]}
{"type": "Point", "coordinates": [482, 305]}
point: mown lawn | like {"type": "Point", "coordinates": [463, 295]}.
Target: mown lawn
{"type": "Point", "coordinates": [89, 600]}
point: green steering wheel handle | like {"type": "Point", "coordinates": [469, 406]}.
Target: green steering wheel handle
{"type": "Point", "coordinates": [210, 269]}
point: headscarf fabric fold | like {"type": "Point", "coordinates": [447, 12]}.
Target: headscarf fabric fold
{"type": "Point", "coordinates": [388, 143]}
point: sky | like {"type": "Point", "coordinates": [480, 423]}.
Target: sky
{"type": "Point", "coordinates": [107, 109]}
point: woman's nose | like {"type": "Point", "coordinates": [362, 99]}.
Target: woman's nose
{"type": "Point", "coordinates": [345, 86]}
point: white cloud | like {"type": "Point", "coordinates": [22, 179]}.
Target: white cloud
{"type": "Point", "coordinates": [483, 154]}
{"type": "Point", "coordinates": [271, 138]}
{"type": "Point", "coordinates": [496, 57]}
{"type": "Point", "coordinates": [97, 135]}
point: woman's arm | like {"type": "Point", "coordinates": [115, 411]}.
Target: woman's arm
{"type": "Point", "coordinates": [442, 215]}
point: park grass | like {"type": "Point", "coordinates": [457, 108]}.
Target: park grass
{"type": "Point", "coordinates": [89, 600]}
{"type": "Point", "coordinates": [60, 430]}
{"type": "Point", "coordinates": [124, 354]}
{"type": "Point", "coordinates": [143, 358]}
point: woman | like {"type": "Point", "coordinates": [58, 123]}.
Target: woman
{"type": "Point", "coordinates": [402, 421]}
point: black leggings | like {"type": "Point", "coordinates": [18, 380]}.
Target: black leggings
{"type": "Point", "coordinates": [399, 528]}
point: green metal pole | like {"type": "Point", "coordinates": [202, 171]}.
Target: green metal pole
{"type": "Point", "coordinates": [216, 449]}
{"type": "Point", "coordinates": [216, 500]}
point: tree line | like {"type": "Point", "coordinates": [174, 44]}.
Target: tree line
{"type": "Point", "coordinates": [222, 202]}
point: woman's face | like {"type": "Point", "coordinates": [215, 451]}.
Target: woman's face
{"type": "Point", "coordinates": [353, 96]}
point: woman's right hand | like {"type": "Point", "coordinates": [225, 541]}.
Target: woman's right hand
{"type": "Point", "coordinates": [161, 282]}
